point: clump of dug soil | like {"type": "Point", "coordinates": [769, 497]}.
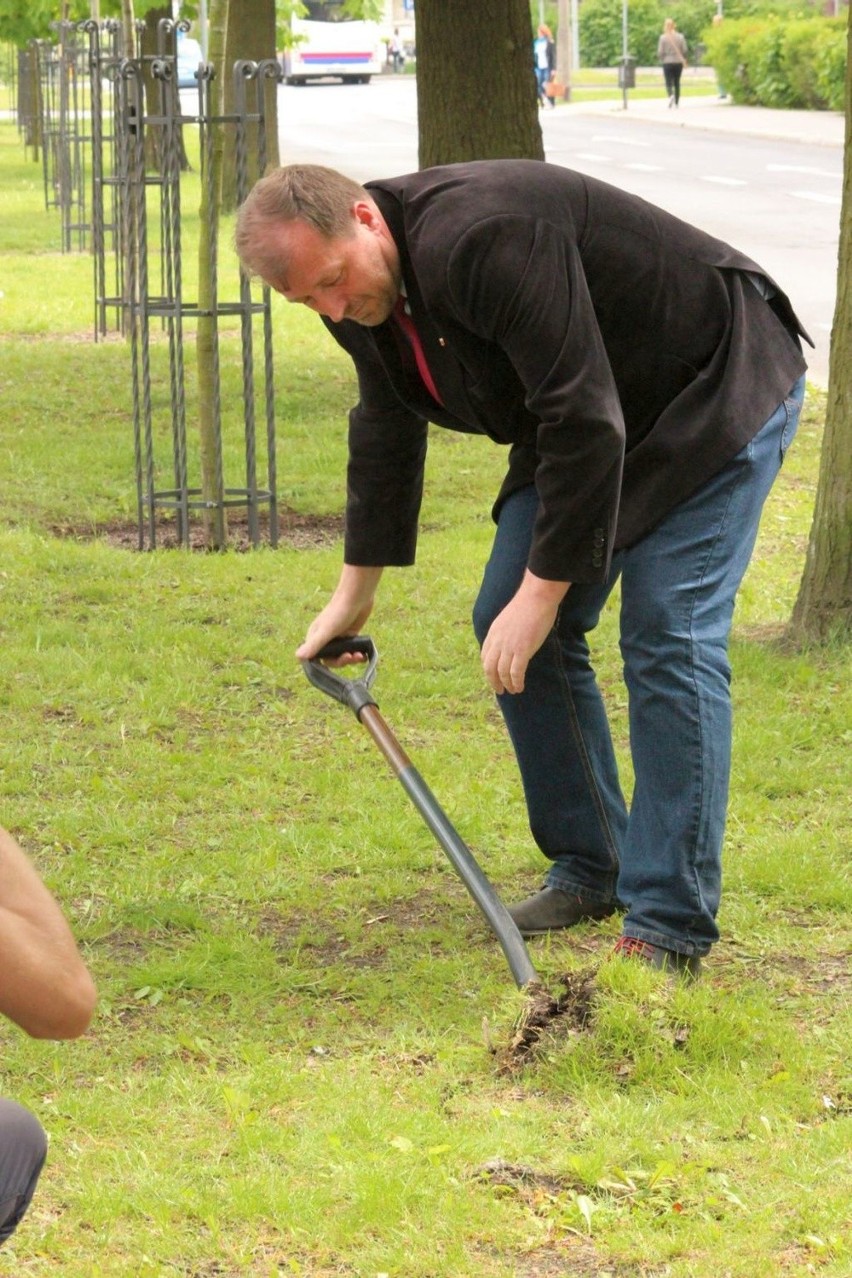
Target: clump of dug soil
{"type": "Point", "coordinates": [545, 1016]}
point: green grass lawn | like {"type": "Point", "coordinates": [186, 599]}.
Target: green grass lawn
{"type": "Point", "coordinates": [289, 1071]}
{"type": "Point", "coordinates": [601, 84]}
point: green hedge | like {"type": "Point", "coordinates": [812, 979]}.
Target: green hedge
{"type": "Point", "coordinates": [765, 52]}
{"type": "Point", "coordinates": [601, 37]}
{"type": "Point", "coordinates": [769, 62]}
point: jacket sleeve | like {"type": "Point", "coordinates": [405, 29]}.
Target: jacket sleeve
{"type": "Point", "coordinates": [520, 283]}
{"type": "Point", "coordinates": [387, 453]}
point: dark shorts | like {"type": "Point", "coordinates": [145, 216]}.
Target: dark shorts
{"type": "Point", "coordinates": [23, 1149]}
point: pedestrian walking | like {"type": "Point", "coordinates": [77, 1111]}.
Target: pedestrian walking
{"type": "Point", "coordinates": [544, 60]}
{"type": "Point", "coordinates": [672, 53]}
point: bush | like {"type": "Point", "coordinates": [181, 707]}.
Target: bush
{"type": "Point", "coordinates": [724, 44]}
{"type": "Point", "coordinates": [829, 58]}
{"type": "Point", "coordinates": [770, 62]}
{"type": "Point", "coordinates": [762, 54]}
{"type": "Point", "coordinates": [601, 37]}
{"type": "Point", "coordinates": [601, 40]}
{"type": "Point", "coordinates": [800, 65]}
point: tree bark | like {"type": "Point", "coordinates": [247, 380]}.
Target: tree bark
{"type": "Point", "coordinates": [823, 609]}
{"type": "Point", "coordinates": [476, 93]}
{"type": "Point", "coordinates": [33, 136]}
{"type": "Point", "coordinates": [128, 29]}
{"type": "Point", "coordinates": [250, 35]}
{"type": "Point", "coordinates": [207, 336]}
{"type": "Point", "coordinates": [564, 51]}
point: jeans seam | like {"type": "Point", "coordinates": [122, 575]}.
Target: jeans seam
{"type": "Point", "coordinates": [582, 752]}
{"type": "Point", "coordinates": [790, 403]}
{"type": "Point", "coordinates": [701, 797]}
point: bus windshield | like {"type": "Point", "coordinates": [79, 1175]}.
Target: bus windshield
{"type": "Point", "coordinates": [326, 11]}
{"type": "Point", "coordinates": [328, 41]}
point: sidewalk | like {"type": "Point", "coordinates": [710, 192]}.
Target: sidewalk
{"type": "Point", "coordinates": [815, 128]}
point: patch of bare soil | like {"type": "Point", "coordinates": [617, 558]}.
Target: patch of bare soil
{"type": "Point", "coordinates": [569, 1012]}
{"type": "Point", "coordinates": [573, 1257]}
{"type": "Point", "coordinates": [821, 973]}
{"type": "Point", "coordinates": [288, 930]}
{"type": "Point", "coordinates": [525, 1180]}
{"type": "Point", "coordinates": [325, 945]}
{"type": "Point", "coordinates": [556, 1258]}
{"type": "Point", "coordinates": [65, 339]}
{"type": "Point", "coordinates": [295, 529]}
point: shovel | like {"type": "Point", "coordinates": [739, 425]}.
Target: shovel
{"type": "Point", "coordinates": [355, 693]}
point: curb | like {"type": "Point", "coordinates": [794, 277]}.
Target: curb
{"type": "Point", "coordinates": [811, 128]}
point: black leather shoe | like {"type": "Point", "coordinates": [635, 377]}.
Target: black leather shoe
{"type": "Point", "coordinates": [686, 965]}
{"type": "Point", "coordinates": [551, 909]}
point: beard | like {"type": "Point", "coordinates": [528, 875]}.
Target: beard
{"type": "Point", "coordinates": [372, 311]}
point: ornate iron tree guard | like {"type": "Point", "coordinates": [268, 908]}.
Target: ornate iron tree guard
{"type": "Point", "coordinates": [61, 94]}
{"type": "Point", "coordinates": [171, 308]}
{"type": "Point", "coordinates": [104, 57]}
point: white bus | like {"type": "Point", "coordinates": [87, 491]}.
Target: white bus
{"type": "Point", "coordinates": [327, 42]}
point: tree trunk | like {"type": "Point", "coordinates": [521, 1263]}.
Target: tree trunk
{"type": "Point", "coordinates": [33, 136]}
{"type": "Point", "coordinates": [206, 337]}
{"type": "Point", "coordinates": [250, 35]}
{"type": "Point", "coordinates": [564, 51]}
{"type": "Point", "coordinates": [476, 93]}
{"type": "Point", "coordinates": [128, 29]}
{"type": "Point", "coordinates": [823, 609]}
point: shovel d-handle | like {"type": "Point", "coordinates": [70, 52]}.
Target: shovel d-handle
{"type": "Point", "coordinates": [353, 692]}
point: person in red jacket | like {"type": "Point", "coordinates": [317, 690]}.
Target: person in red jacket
{"type": "Point", "coordinates": [647, 379]}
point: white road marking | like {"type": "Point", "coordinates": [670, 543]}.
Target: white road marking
{"type": "Point", "coordinates": [723, 181]}
{"type": "Point", "coordinates": [799, 168]}
{"type": "Point", "coordinates": [816, 197]}
{"type": "Point", "coordinates": [604, 137]}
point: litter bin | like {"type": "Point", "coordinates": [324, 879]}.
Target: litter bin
{"type": "Point", "coordinates": [627, 72]}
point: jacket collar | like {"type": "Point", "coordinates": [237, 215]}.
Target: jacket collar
{"type": "Point", "coordinates": [443, 365]}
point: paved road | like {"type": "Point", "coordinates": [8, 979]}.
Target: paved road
{"type": "Point", "coordinates": [365, 130]}
{"type": "Point", "coordinates": [777, 200]}
{"type": "Point", "coordinates": [767, 181]}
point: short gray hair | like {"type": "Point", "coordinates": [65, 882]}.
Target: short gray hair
{"type": "Point", "coordinates": [310, 193]}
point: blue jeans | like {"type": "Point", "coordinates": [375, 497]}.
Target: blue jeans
{"type": "Point", "coordinates": [662, 859]}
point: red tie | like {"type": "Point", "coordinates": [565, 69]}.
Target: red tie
{"type": "Point", "coordinates": [407, 325]}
